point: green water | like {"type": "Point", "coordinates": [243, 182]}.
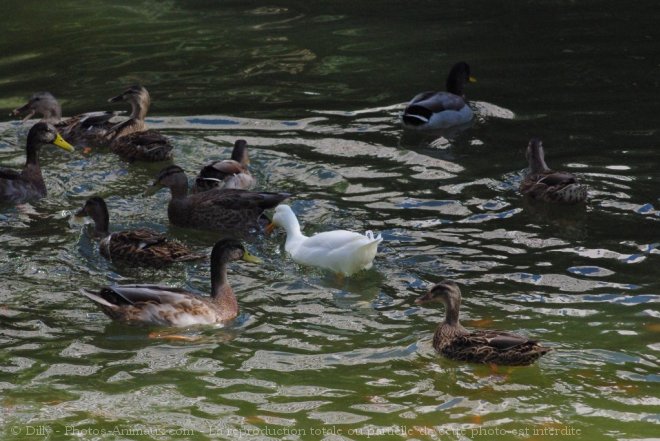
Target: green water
{"type": "Point", "coordinates": [316, 89]}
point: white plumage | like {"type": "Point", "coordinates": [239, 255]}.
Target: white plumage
{"type": "Point", "coordinates": [341, 251]}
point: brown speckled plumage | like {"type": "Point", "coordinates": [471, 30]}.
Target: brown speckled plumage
{"type": "Point", "coordinates": [541, 183]}
{"type": "Point", "coordinates": [130, 139]}
{"type": "Point", "coordinates": [165, 306]}
{"type": "Point", "coordinates": [228, 173]}
{"type": "Point", "coordinates": [231, 211]}
{"type": "Point", "coordinates": [453, 341]}
{"type": "Point", "coordinates": [141, 246]}
{"type": "Point", "coordinates": [28, 184]}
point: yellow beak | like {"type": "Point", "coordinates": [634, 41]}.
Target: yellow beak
{"type": "Point", "coordinates": [472, 79]}
{"type": "Point", "coordinates": [250, 258]}
{"type": "Point", "coordinates": [61, 143]}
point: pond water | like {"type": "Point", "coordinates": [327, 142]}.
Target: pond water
{"type": "Point", "coordinates": [316, 88]}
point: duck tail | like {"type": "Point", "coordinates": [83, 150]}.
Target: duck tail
{"type": "Point", "coordinates": [94, 297]}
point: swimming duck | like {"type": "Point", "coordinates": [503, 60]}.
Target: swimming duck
{"type": "Point", "coordinates": [142, 246]}
{"type": "Point", "coordinates": [343, 252]}
{"type": "Point", "coordinates": [453, 341]}
{"type": "Point", "coordinates": [165, 306]}
{"type": "Point", "coordinates": [228, 173]}
{"type": "Point", "coordinates": [86, 128]}
{"type": "Point", "coordinates": [18, 187]}
{"type": "Point", "coordinates": [232, 211]}
{"type": "Point", "coordinates": [441, 110]}
{"type": "Point", "coordinates": [541, 183]}
{"type": "Point", "coordinates": [130, 139]}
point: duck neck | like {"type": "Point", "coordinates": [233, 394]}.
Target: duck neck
{"type": "Point", "coordinates": [101, 223]}
{"type": "Point", "coordinates": [179, 190]}
{"type": "Point", "coordinates": [451, 313]}
{"type": "Point", "coordinates": [537, 162]}
{"type": "Point", "coordinates": [221, 292]}
{"type": "Point", "coordinates": [139, 109]}
{"type": "Point", "coordinates": [32, 154]}
{"type": "Point", "coordinates": [52, 115]}
{"type": "Point", "coordinates": [293, 233]}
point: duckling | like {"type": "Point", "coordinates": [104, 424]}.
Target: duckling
{"type": "Point", "coordinates": [441, 110]}
{"type": "Point", "coordinates": [343, 252]}
{"type": "Point", "coordinates": [228, 173]}
{"type": "Point", "coordinates": [547, 185]}
{"type": "Point", "coordinates": [86, 128]}
{"type": "Point", "coordinates": [130, 139]}
{"type": "Point", "coordinates": [165, 306]}
{"type": "Point", "coordinates": [453, 341]}
{"type": "Point", "coordinates": [238, 211]}
{"type": "Point", "coordinates": [15, 187]}
{"type": "Point", "coordinates": [142, 246]}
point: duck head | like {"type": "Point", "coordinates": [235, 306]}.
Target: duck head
{"type": "Point", "coordinates": [45, 133]}
{"type": "Point", "coordinates": [172, 177]}
{"type": "Point", "coordinates": [43, 103]}
{"type": "Point", "coordinates": [446, 292]}
{"type": "Point", "coordinates": [458, 76]}
{"type": "Point", "coordinates": [138, 97]}
{"type": "Point", "coordinates": [96, 208]}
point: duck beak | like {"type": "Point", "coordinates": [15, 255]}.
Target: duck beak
{"type": "Point", "coordinates": [24, 108]}
{"type": "Point", "coordinates": [424, 299]}
{"type": "Point", "coordinates": [250, 258]}
{"type": "Point", "coordinates": [153, 189]}
{"type": "Point", "coordinates": [269, 228]}
{"type": "Point", "coordinates": [472, 79]}
{"type": "Point", "coordinates": [80, 213]}
{"type": "Point", "coordinates": [117, 98]}
{"type": "Point", "coordinates": [61, 143]}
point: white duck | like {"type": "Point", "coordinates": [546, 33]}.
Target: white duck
{"type": "Point", "coordinates": [344, 252]}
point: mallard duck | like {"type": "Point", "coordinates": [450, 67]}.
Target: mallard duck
{"type": "Point", "coordinates": [86, 128]}
{"type": "Point", "coordinates": [441, 110]}
{"type": "Point", "coordinates": [232, 211]}
{"type": "Point", "coordinates": [452, 340]}
{"type": "Point", "coordinates": [343, 252]}
{"type": "Point", "coordinates": [541, 183]}
{"type": "Point", "coordinates": [165, 306]}
{"type": "Point", "coordinates": [228, 173]}
{"type": "Point", "coordinates": [18, 187]}
{"type": "Point", "coordinates": [142, 246]}
{"type": "Point", "coordinates": [130, 139]}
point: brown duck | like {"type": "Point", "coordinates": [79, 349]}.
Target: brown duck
{"type": "Point", "coordinates": [229, 211]}
{"type": "Point", "coordinates": [28, 184]}
{"type": "Point", "coordinates": [142, 246]}
{"type": "Point", "coordinates": [130, 139]}
{"type": "Point", "coordinates": [86, 128]}
{"type": "Point", "coordinates": [541, 183]}
{"type": "Point", "coordinates": [165, 306]}
{"type": "Point", "coordinates": [453, 341]}
{"type": "Point", "coordinates": [227, 173]}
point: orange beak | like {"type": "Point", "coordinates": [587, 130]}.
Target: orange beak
{"type": "Point", "coordinates": [269, 228]}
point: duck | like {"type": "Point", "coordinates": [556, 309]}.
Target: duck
{"type": "Point", "coordinates": [441, 110]}
{"type": "Point", "coordinates": [28, 184]}
{"type": "Point", "coordinates": [142, 246]}
{"type": "Point", "coordinates": [543, 184]}
{"type": "Point", "coordinates": [176, 307]}
{"type": "Point", "coordinates": [227, 173]}
{"type": "Point", "coordinates": [453, 341]}
{"type": "Point", "coordinates": [131, 139]}
{"type": "Point", "coordinates": [342, 252]}
{"type": "Point", "coordinates": [228, 210]}
{"type": "Point", "coordinates": [83, 129]}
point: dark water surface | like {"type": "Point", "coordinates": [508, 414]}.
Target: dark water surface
{"type": "Point", "coordinates": [316, 89]}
